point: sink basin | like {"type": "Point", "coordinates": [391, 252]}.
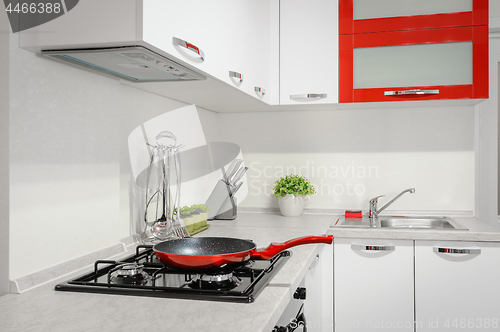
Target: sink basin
{"type": "Point", "coordinates": [419, 223]}
{"type": "Point", "coordinates": [401, 222]}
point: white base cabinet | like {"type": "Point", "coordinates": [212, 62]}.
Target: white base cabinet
{"type": "Point", "coordinates": [373, 285]}
{"type": "Point", "coordinates": [457, 286]}
{"type": "Point", "coordinates": [318, 307]}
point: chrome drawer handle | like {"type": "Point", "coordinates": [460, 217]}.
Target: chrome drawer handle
{"type": "Point", "coordinates": [314, 263]}
{"type": "Point", "coordinates": [260, 90]}
{"type": "Point", "coordinates": [236, 75]}
{"type": "Point", "coordinates": [189, 46]}
{"type": "Point", "coordinates": [309, 96]}
{"type": "Point", "coordinates": [462, 251]}
{"type": "Point", "coordinates": [411, 92]}
{"type": "Point", "coordinates": [368, 247]}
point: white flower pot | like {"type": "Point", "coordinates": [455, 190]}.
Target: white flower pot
{"type": "Point", "coordinates": [291, 205]}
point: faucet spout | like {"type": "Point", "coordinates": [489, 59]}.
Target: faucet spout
{"type": "Point", "coordinates": [374, 212]}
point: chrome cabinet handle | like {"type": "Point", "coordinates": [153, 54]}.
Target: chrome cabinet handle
{"type": "Point", "coordinates": [309, 96]}
{"type": "Point", "coordinates": [314, 263]}
{"type": "Point", "coordinates": [411, 92]}
{"type": "Point", "coordinates": [189, 46]}
{"type": "Point", "coordinates": [236, 75]}
{"type": "Point", "coordinates": [368, 247]}
{"type": "Point", "coordinates": [463, 251]}
{"type": "Point", "coordinates": [260, 90]}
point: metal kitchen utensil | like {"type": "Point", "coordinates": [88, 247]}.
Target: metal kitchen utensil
{"type": "Point", "coordinates": [168, 225]}
{"type": "Point", "coordinates": [238, 176]}
{"type": "Point", "coordinates": [178, 225]}
{"type": "Point", "coordinates": [233, 167]}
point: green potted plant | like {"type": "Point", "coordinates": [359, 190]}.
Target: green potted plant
{"type": "Point", "coordinates": [291, 192]}
{"type": "Point", "coordinates": [202, 208]}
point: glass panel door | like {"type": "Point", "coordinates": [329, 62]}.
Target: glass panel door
{"type": "Point", "coordinates": [412, 65]}
{"type": "Point", "coordinates": [366, 9]}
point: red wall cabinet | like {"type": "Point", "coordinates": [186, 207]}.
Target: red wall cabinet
{"type": "Point", "coordinates": [420, 53]}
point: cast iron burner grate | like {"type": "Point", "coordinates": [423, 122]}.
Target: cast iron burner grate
{"type": "Point", "coordinates": [142, 274]}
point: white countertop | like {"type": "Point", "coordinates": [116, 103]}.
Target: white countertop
{"type": "Point", "coordinates": [43, 309]}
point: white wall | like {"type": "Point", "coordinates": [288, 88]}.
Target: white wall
{"type": "Point", "coordinates": [69, 163]}
{"type": "Point", "coordinates": [4, 153]}
{"type": "Point", "coordinates": [354, 155]}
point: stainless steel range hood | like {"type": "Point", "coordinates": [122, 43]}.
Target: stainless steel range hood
{"type": "Point", "coordinates": [133, 63]}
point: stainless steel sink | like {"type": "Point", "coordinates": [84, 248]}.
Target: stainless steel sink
{"type": "Point", "coordinates": [401, 222]}
{"type": "Point", "coordinates": [419, 223]}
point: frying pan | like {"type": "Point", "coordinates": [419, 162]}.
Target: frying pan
{"type": "Point", "coordinates": [212, 254]}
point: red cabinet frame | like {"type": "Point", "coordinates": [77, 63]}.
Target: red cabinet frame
{"type": "Point", "coordinates": [411, 30]}
{"type": "Point", "coordinates": [347, 25]}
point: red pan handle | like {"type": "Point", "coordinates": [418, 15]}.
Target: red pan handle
{"type": "Point", "coordinates": [275, 248]}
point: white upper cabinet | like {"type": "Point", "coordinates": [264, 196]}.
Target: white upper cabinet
{"type": "Point", "coordinates": [209, 35]}
{"type": "Point", "coordinates": [229, 42]}
{"type": "Point", "coordinates": [308, 52]}
{"type": "Point", "coordinates": [263, 50]}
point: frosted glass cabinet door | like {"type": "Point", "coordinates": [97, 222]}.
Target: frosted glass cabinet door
{"type": "Point", "coordinates": [364, 9]}
{"type": "Point", "coordinates": [456, 286]}
{"type": "Point", "coordinates": [424, 64]}
{"type": "Point", "coordinates": [412, 65]}
{"type": "Point", "coordinates": [362, 16]}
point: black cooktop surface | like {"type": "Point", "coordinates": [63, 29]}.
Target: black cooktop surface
{"type": "Point", "coordinates": [142, 274]}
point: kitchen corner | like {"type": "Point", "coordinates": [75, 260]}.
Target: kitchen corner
{"type": "Point", "coordinates": [103, 103]}
{"type": "Point", "coordinates": [43, 307]}
{"type": "Point", "coordinates": [62, 311]}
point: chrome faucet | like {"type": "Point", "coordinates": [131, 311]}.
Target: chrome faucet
{"type": "Point", "coordinates": [374, 212]}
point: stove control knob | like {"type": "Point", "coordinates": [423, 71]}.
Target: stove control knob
{"type": "Point", "coordinates": [300, 293]}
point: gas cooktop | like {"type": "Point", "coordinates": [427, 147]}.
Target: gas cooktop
{"type": "Point", "coordinates": [141, 274]}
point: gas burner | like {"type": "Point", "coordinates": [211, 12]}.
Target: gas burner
{"type": "Point", "coordinates": [141, 274]}
{"type": "Point", "coordinates": [215, 281]}
{"type": "Point", "coordinates": [129, 273]}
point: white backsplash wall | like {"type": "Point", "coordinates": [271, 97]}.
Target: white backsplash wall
{"type": "Point", "coordinates": [69, 163]}
{"type": "Point", "coordinates": [4, 153]}
{"type": "Point", "coordinates": [354, 155]}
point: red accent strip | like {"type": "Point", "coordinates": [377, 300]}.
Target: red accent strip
{"type": "Point", "coordinates": [480, 62]}
{"type": "Point", "coordinates": [346, 43]}
{"type": "Point", "coordinates": [480, 12]}
{"type": "Point", "coordinates": [193, 47]}
{"type": "Point", "coordinates": [346, 25]}
{"type": "Point", "coordinates": [445, 92]}
{"type": "Point", "coordinates": [411, 37]}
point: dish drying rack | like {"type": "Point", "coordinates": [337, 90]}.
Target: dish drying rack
{"type": "Point", "coordinates": [165, 224]}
